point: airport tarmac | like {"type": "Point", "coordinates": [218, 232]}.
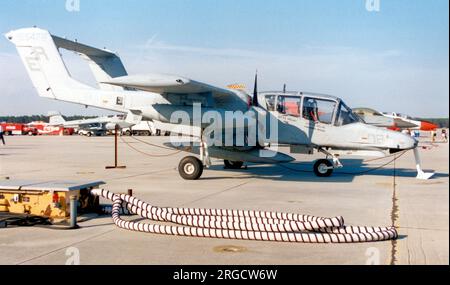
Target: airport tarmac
{"type": "Point", "coordinates": [420, 209]}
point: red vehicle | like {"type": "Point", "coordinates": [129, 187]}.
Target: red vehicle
{"type": "Point", "coordinates": [14, 129]}
{"type": "Point", "coordinates": [44, 129]}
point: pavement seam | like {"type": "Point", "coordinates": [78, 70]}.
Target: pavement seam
{"type": "Point", "coordinates": [63, 247]}
{"type": "Point", "coordinates": [216, 193]}
{"type": "Point", "coordinates": [394, 216]}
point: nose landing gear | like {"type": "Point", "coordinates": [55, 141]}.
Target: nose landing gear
{"type": "Point", "coordinates": [324, 167]}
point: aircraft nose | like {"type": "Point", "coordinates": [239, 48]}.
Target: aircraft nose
{"type": "Point", "coordinates": [404, 141]}
{"type": "Point", "coordinates": [9, 36]}
{"type": "Point", "coordinates": [411, 142]}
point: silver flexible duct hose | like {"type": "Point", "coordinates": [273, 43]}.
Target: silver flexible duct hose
{"type": "Point", "coordinates": [240, 224]}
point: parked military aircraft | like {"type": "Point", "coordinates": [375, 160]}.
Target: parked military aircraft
{"type": "Point", "coordinates": [393, 121]}
{"type": "Point", "coordinates": [106, 123]}
{"type": "Point", "coordinates": [305, 121]}
{"type": "Point", "coordinates": [402, 120]}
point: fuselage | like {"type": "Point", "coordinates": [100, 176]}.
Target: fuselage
{"type": "Point", "coordinates": [325, 121]}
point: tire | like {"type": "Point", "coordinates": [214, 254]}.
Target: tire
{"type": "Point", "coordinates": [146, 133]}
{"type": "Point", "coordinates": [89, 134]}
{"type": "Point", "coordinates": [158, 133]}
{"type": "Point", "coordinates": [128, 133]}
{"type": "Point", "coordinates": [190, 168]}
{"type": "Point", "coordinates": [319, 168]}
{"type": "Point", "coordinates": [233, 164]}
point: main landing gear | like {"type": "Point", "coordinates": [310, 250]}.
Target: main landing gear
{"type": "Point", "coordinates": [324, 167]}
{"type": "Point", "coordinates": [190, 168]}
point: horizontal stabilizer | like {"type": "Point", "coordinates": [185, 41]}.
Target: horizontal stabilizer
{"type": "Point", "coordinates": [103, 63]}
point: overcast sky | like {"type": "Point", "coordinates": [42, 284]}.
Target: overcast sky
{"type": "Point", "coordinates": [394, 59]}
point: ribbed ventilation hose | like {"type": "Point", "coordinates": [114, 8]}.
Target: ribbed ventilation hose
{"type": "Point", "coordinates": [240, 224]}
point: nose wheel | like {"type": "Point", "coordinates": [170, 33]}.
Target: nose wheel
{"type": "Point", "coordinates": [190, 168]}
{"type": "Point", "coordinates": [323, 168]}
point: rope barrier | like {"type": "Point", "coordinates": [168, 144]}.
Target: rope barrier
{"type": "Point", "coordinates": [151, 144]}
{"type": "Point", "coordinates": [148, 154]}
{"type": "Point", "coordinates": [395, 155]}
{"type": "Point", "coordinates": [240, 224]}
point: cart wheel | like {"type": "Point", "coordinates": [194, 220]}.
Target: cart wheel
{"type": "Point", "coordinates": [322, 168]}
{"type": "Point", "coordinates": [190, 168]}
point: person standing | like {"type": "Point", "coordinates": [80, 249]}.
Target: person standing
{"type": "Point", "coordinates": [1, 135]}
{"type": "Point", "coordinates": [444, 135]}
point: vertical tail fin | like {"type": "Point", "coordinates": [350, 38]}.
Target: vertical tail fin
{"type": "Point", "coordinates": [41, 59]}
{"type": "Point", "coordinates": [56, 118]}
{"type": "Point", "coordinates": [39, 51]}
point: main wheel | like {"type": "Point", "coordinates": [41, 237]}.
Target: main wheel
{"type": "Point", "coordinates": [233, 164]}
{"type": "Point", "coordinates": [190, 168]}
{"type": "Point", "coordinates": [322, 168]}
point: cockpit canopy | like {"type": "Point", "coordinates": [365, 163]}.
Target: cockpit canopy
{"type": "Point", "coordinates": [313, 107]}
{"type": "Point", "coordinates": [403, 116]}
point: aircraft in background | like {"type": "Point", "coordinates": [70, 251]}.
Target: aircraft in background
{"type": "Point", "coordinates": [402, 120]}
{"type": "Point", "coordinates": [90, 127]}
{"type": "Point", "coordinates": [305, 121]}
{"type": "Point", "coordinates": [393, 121]}
{"type": "Point", "coordinates": [107, 122]}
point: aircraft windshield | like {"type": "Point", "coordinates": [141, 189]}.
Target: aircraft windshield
{"type": "Point", "coordinates": [289, 105]}
{"type": "Point", "coordinates": [318, 110]}
{"type": "Point", "coordinates": [346, 116]}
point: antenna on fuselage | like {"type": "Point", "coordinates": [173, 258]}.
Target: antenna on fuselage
{"type": "Point", "coordinates": [255, 91]}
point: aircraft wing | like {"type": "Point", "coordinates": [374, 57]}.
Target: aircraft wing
{"type": "Point", "coordinates": [403, 124]}
{"type": "Point", "coordinates": [172, 85]}
{"type": "Point", "coordinates": [81, 123]}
